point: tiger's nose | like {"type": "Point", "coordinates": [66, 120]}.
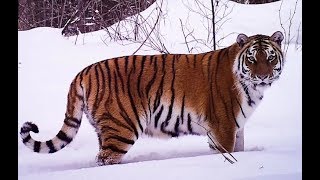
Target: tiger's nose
{"type": "Point", "coordinates": [262, 76]}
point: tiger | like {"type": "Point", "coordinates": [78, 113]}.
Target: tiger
{"type": "Point", "coordinates": [168, 95]}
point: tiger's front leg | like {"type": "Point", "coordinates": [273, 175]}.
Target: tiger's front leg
{"type": "Point", "coordinates": [115, 139]}
{"type": "Point", "coordinates": [239, 146]}
{"type": "Point", "coordinates": [225, 137]}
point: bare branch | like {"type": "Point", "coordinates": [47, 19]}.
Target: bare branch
{"type": "Point", "coordinates": [148, 35]}
{"type": "Point", "coordinates": [185, 36]}
{"type": "Point", "coordinates": [216, 145]}
{"type": "Point", "coordinates": [287, 30]}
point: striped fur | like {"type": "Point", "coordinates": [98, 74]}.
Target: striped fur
{"type": "Point", "coordinates": [168, 95]}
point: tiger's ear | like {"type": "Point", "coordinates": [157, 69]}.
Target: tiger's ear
{"type": "Point", "coordinates": [277, 37]}
{"type": "Point", "coordinates": [242, 39]}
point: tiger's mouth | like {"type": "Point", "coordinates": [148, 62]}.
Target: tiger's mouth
{"type": "Point", "coordinates": [262, 84]}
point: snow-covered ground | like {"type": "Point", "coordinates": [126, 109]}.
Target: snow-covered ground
{"type": "Point", "coordinates": [273, 135]}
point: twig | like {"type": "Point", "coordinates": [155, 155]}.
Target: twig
{"type": "Point", "coordinates": [217, 145]}
{"type": "Point", "coordinates": [287, 32]}
{"type": "Point", "coordinates": [184, 35]}
{"type": "Point", "coordinates": [147, 36]}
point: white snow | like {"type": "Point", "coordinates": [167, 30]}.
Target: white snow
{"type": "Point", "coordinates": [273, 135]}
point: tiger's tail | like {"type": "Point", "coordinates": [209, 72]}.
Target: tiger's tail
{"type": "Point", "coordinates": [69, 128]}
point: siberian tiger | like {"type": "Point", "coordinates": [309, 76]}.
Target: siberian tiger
{"type": "Point", "coordinates": [168, 95]}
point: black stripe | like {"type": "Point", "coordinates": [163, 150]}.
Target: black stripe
{"type": "Point", "coordinates": [159, 92]}
{"type": "Point", "coordinates": [72, 122]}
{"type": "Point", "coordinates": [130, 123]}
{"type": "Point", "coordinates": [89, 88]}
{"type": "Point", "coordinates": [134, 63]}
{"type": "Point", "coordinates": [119, 74]}
{"type": "Point", "coordinates": [241, 108]}
{"type": "Point", "coordinates": [116, 121]}
{"type": "Point", "coordinates": [163, 130]}
{"type": "Point", "coordinates": [88, 68]}
{"type": "Point", "coordinates": [209, 64]}
{"type": "Point", "coordinates": [116, 84]}
{"type": "Point", "coordinates": [176, 125]}
{"type": "Point", "coordinates": [95, 100]}
{"type": "Point", "coordinates": [189, 124]}
{"type": "Point", "coordinates": [51, 146]}
{"type": "Point", "coordinates": [126, 62]}
{"type": "Point", "coordinates": [108, 128]}
{"type": "Point", "coordinates": [182, 109]}
{"type": "Point", "coordinates": [121, 139]}
{"type": "Point", "coordinates": [132, 103]}
{"type": "Point", "coordinates": [233, 116]}
{"type": "Point", "coordinates": [144, 109]}
{"type": "Point", "coordinates": [70, 100]}
{"type": "Point", "coordinates": [239, 60]}
{"type": "Point", "coordinates": [242, 64]}
{"type": "Point", "coordinates": [177, 57]}
{"type": "Point", "coordinates": [103, 84]}
{"type": "Point", "coordinates": [194, 60]}
{"type": "Point", "coordinates": [123, 112]}
{"type": "Point", "coordinates": [140, 74]}
{"type": "Point", "coordinates": [249, 100]}
{"type": "Point", "coordinates": [149, 108]}
{"type": "Point", "coordinates": [155, 68]}
{"type": "Point", "coordinates": [98, 80]}
{"type": "Point", "coordinates": [66, 122]}
{"type": "Point", "coordinates": [34, 127]}
{"type": "Point", "coordinates": [279, 57]}
{"type": "Point", "coordinates": [63, 136]}
{"type": "Point", "coordinates": [80, 97]}
{"type": "Point", "coordinates": [36, 146]}
{"type": "Point", "coordinates": [173, 94]}
{"type": "Point", "coordinates": [114, 149]}
{"type": "Point", "coordinates": [158, 95]}
{"type": "Point", "coordinates": [187, 59]}
{"type": "Point", "coordinates": [25, 130]}
{"type": "Point", "coordinates": [163, 58]}
{"type": "Point", "coordinates": [109, 75]}
{"type": "Point", "coordinates": [81, 78]}
{"type": "Point", "coordinates": [26, 139]}
{"type": "Point", "coordinates": [157, 117]}
{"type": "Point", "coordinates": [78, 76]}
{"type": "Point", "coordinates": [151, 59]}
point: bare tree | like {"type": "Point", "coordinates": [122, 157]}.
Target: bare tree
{"type": "Point", "coordinates": [213, 25]}
{"type": "Point", "coordinates": [140, 29]}
{"type": "Point", "coordinates": [286, 25]}
{"type": "Point", "coordinates": [213, 20]}
{"type": "Point", "coordinates": [297, 44]}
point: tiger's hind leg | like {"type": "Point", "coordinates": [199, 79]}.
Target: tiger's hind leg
{"type": "Point", "coordinates": [115, 139]}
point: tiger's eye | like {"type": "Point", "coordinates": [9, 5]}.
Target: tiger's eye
{"type": "Point", "coordinates": [251, 59]}
{"type": "Point", "coordinates": [270, 58]}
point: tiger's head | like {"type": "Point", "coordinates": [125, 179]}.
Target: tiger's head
{"type": "Point", "coordinates": [259, 61]}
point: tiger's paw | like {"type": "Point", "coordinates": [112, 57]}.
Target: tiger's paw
{"type": "Point", "coordinates": [107, 158]}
